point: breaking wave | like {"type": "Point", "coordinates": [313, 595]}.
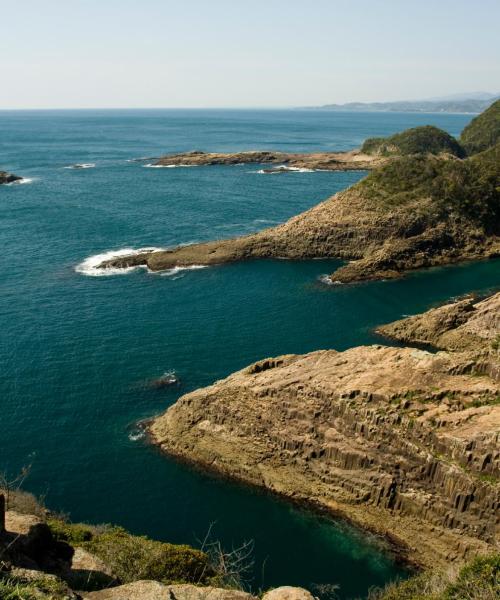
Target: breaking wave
{"type": "Point", "coordinates": [22, 181]}
{"type": "Point", "coordinates": [90, 266]}
{"type": "Point", "coordinates": [178, 272]}
{"type": "Point", "coordinates": [80, 166]}
{"type": "Point", "coordinates": [182, 166]}
{"type": "Point", "coordinates": [284, 169]}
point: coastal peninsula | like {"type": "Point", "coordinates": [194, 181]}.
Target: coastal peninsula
{"type": "Point", "coordinates": [399, 440]}
{"type": "Point", "coordinates": [434, 200]}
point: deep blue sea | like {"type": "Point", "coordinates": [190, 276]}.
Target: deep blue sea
{"type": "Point", "coordinates": [78, 352]}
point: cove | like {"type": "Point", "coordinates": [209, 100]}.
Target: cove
{"type": "Point", "coordinates": [78, 352]}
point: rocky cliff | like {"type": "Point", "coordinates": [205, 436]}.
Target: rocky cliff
{"type": "Point", "coordinates": [402, 441]}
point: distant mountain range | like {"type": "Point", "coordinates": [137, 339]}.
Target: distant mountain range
{"type": "Point", "coordinates": [474, 102]}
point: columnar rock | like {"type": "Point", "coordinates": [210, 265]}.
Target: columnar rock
{"type": "Point", "coordinates": [400, 440]}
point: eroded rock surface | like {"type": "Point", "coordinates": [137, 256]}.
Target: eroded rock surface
{"type": "Point", "coordinates": [153, 590]}
{"type": "Point", "coordinates": [400, 440]}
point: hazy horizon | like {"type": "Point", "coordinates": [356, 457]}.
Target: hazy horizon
{"type": "Point", "coordinates": [94, 55]}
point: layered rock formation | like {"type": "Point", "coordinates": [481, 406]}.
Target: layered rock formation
{"type": "Point", "coordinates": [8, 177]}
{"type": "Point", "coordinates": [402, 441]}
{"type": "Point", "coordinates": [325, 161]}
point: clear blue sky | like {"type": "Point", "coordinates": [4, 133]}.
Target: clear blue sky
{"type": "Point", "coordinates": [163, 53]}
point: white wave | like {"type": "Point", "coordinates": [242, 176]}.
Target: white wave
{"type": "Point", "coordinates": [80, 166]}
{"type": "Point", "coordinates": [283, 169]}
{"type": "Point", "coordinates": [22, 181]}
{"type": "Point", "coordinates": [136, 434]}
{"type": "Point", "coordinates": [182, 166]}
{"type": "Point", "coordinates": [327, 280]}
{"type": "Point", "coordinates": [90, 266]}
{"type": "Point", "coordinates": [175, 271]}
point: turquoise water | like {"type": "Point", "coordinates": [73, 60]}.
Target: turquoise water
{"type": "Point", "coordinates": [77, 352]}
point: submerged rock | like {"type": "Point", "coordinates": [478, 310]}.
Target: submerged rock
{"type": "Point", "coordinates": [8, 177]}
{"type": "Point", "coordinates": [168, 379]}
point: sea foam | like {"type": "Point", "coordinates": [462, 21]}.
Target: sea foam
{"type": "Point", "coordinates": [90, 266]}
{"type": "Point", "coordinates": [80, 166]}
{"type": "Point", "coordinates": [22, 181]}
{"type": "Point", "coordinates": [178, 272]}
{"type": "Point", "coordinates": [283, 168]}
{"type": "Point", "coordinates": [181, 166]}
{"type": "Point", "coordinates": [327, 280]}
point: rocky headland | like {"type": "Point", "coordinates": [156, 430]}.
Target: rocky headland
{"type": "Point", "coordinates": [417, 208]}
{"type": "Point", "coordinates": [399, 440]}
{"type": "Point", "coordinates": [354, 160]}
{"type": "Point", "coordinates": [8, 177]}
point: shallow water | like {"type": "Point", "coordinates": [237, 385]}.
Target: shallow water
{"type": "Point", "coordinates": [78, 352]}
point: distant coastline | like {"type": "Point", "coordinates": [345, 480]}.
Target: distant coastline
{"type": "Point", "coordinates": [475, 104]}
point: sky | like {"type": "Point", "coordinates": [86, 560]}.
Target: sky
{"type": "Point", "coordinates": [221, 53]}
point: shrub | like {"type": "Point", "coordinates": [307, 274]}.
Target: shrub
{"type": "Point", "coordinates": [482, 132]}
{"type": "Point", "coordinates": [478, 580]}
{"type": "Point", "coordinates": [418, 140]}
{"type": "Point", "coordinates": [469, 188]}
{"type": "Point", "coordinates": [44, 587]}
{"type": "Point", "coordinates": [74, 534]}
{"type": "Point", "coordinates": [132, 558]}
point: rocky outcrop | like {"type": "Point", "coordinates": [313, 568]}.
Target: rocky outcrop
{"type": "Point", "coordinates": [8, 177]}
{"type": "Point", "coordinates": [153, 590]}
{"type": "Point", "coordinates": [468, 324]}
{"type": "Point", "coordinates": [380, 242]}
{"type": "Point", "coordinates": [422, 205]}
{"type": "Point", "coordinates": [286, 592]}
{"type": "Point", "coordinates": [401, 441]}
{"type": "Point", "coordinates": [324, 161]}
{"type": "Point", "coordinates": [407, 215]}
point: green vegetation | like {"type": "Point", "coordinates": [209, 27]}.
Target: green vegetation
{"type": "Point", "coordinates": [482, 132]}
{"type": "Point", "coordinates": [132, 557]}
{"type": "Point", "coordinates": [419, 140]}
{"type": "Point", "coordinates": [469, 188]}
{"type": "Point", "coordinates": [45, 587]}
{"type": "Point", "coordinates": [479, 580]}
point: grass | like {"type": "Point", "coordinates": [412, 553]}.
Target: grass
{"type": "Point", "coordinates": [131, 557]}
{"type": "Point", "coordinates": [18, 588]}
{"type": "Point", "coordinates": [478, 580]}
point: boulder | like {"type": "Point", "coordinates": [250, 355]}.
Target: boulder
{"type": "Point", "coordinates": [288, 593]}
{"type": "Point", "coordinates": [153, 590]}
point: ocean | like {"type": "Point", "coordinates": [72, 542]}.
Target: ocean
{"type": "Point", "coordinates": [79, 351]}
